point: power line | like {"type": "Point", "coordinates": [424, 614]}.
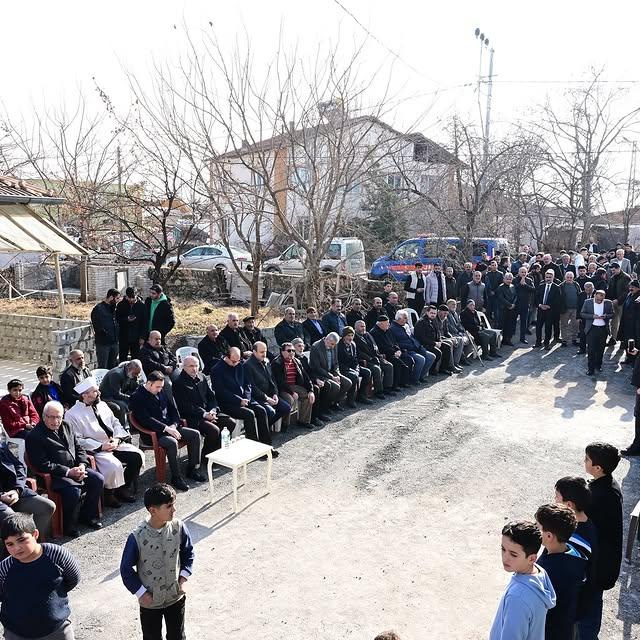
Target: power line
{"type": "Point", "coordinates": [592, 81]}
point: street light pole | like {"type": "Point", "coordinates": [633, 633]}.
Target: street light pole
{"type": "Point", "coordinates": [486, 126]}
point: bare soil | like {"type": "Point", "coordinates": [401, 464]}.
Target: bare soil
{"type": "Point", "coordinates": [389, 518]}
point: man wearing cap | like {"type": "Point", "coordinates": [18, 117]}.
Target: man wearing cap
{"type": "Point", "coordinates": [617, 292]}
{"type": "Point", "coordinates": [389, 348]}
{"type": "Point", "coordinates": [159, 312]}
{"type": "Point", "coordinates": [131, 317]}
{"type": "Point", "coordinates": [100, 433]}
{"type": "Point", "coordinates": [105, 329]}
{"type": "Point", "coordinates": [415, 284]}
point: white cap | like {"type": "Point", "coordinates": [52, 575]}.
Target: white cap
{"type": "Point", "coordinates": [86, 385]}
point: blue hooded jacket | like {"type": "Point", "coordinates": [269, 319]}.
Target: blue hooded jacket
{"type": "Point", "coordinates": [523, 609]}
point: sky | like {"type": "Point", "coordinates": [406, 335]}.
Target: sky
{"type": "Point", "coordinates": [53, 49]}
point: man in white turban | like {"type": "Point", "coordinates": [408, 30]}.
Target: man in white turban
{"type": "Point", "coordinates": [102, 435]}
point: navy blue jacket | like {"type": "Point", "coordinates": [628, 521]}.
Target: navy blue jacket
{"type": "Point", "coordinates": [12, 473]}
{"type": "Point", "coordinates": [230, 384]}
{"type": "Point", "coordinates": [404, 340]}
{"type": "Point", "coordinates": [148, 409]}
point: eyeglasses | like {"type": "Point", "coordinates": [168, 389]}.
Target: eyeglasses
{"type": "Point", "coordinates": [289, 350]}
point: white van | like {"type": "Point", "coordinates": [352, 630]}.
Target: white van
{"type": "Point", "coordinates": [344, 254]}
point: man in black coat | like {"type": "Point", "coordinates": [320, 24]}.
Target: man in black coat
{"type": "Point", "coordinates": [53, 448]}
{"type": "Point", "coordinates": [389, 348]}
{"type": "Point", "coordinates": [264, 390]}
{"type": "Point", "coordinates": [587, 294]}
{"type": "Point", "coordinates": [313, 329]}
{"type": "Point", "coordinates": [334, 320]}
{"type": "Point", "coordinates": [323, 358]}
{"type": "Point", "coordinates": [105, 329]}
{"type": "Point", "coordinates": [524, 292]}
{"type": "Point", "coordinates": [16, 496]}
{"type": "Point", "coordinates": [233, 336]}
{"type": "Point", "coordinates": [428, 334]}
{"type": "Point", "coordinates": [617, 292]}
{"type": "Point", "coordinates": [582, 276]}
{"type": "Point", "coordinates": [154, 410]}
{"type": "Point", "coordinates": [548, 301]}
{"type": "Point", "coordinates": [154, 356]}
{"type": "Point", "coordinates": [507, 298]}
{"type": "Point", "coordinates": [392, 306]}
{"type": "Point", "coordinates": [377, 310]}
{"type": "Point", "coordinates": [288, 328]}
{"type": "Point", "coordinates": [197, 404]}
{"type": "Point", "coordinates": [629, 328]}
{"type": "Point", "coordinates": [233, 391]}
{"type": "Point", "coordinates": [159, 312]}
{"type": "Point", "coordinates": [371, 358]}
{"type": "Point", "coordinates": [486, 338]}
{"type": "Point", "coordinates": [355, 313]}
{"type": "Point", "coordinates": [132, 324]}
{"type": "Point", "coordinates": [211, 348]}
{"type": "Point", "coordinates": [350, 367]}
{"type": "Point", "coordinates": [253, 334]}
{"type": "Point", "coordinates": [320, 410]}
{"type": "Point", "coordinates": [73, 375]}
{"type": "Point", "coordinates": [605, 512]}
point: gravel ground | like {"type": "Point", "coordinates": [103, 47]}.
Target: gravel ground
{"type": "Point", "coordinates": [389, 518]}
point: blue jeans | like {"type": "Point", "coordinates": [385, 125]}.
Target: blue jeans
{"type": "Point", "coordinates": [589, 624]}
{"type": "Point", "coordinates": [422, 362]}
{"type": "Point", "coordinates": [278, 411]}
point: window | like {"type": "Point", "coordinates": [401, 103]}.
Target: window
{"type": "Point", "coordinates": [257, 180]}
{"type": "Point", "coordinates": [194, 253]}
{"type": "Point", "coordinates": [407, 251]}
{"type": "Point", "coordinates": [354, 189]}
{"type": "Point", "coordinates": [211, 251]}
{"type": "Point", "coordinates": [334, 251]}
{"type": "Point", "coordinates": [303, 226]}
{"type": "Point", "coordinates": [301, 177]}
{"type": "Point", "coordinates": [427, 183]}
{"type": "Point", "coordinates": [394, 180]}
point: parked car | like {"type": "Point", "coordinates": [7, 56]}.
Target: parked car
{"type": "Point", "coordinates": [213, 256]}
{"type": "Point", "coordinates": [343, 254]}
{"type": "Point", "coordinates": [430, 249]}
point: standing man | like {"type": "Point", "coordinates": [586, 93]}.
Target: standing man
{"type": "Point", "coordinates": [415, 285]}
{"type": "Point", "coordinates": [436, 289]}
{"type": "Point", "coordinates": [570, 291]}
{"type": "Point", "coordinates": [211, 348]}
{"type": "Point", "coordinates": [507, 311]}
{"type": "Point", "coordinates": [130, 315]}
{"type": "Point", "coordinates": [105, 328]}
{"type": "Point", "coordinates": [524, 291]}
{"type": "Point", "coordinates": [596, 314]}
{"type": "Point", "coordinates": [617, 292]}
{"type": "Point", "coordinates": [233, 336]}
{"type": "Point", "coordinates": [625, 263]}
{"type": "Point", "coordinates": [452, 283]}
{"type": "Point", "coordinates": [565, 265]}
{"type": "Point", "coordinates": [76, 372]}
{"type": "Point", "coordinates": [464, 277]}
{"type": "Point", "coordinates": [159, 312]}
{"type": "Point", "coordinates": [475, 290]}
{"type": "Point", "coordinates": [585, 295]}
{"type": "Point", "coordinates": [493, 279]}
{"type": "Point", "coordinates": [547, 301]}
{"type": "Point", "coordinates": [287, 329]}
{"type": "Point", "coordinates": [582, 276]}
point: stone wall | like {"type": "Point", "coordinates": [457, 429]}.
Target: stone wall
{"type": "Point", "coordinates": [102, 277]}
{"type": "Point", "coordinates": [43, 340]}
{"type": "Point", "coordinates": [199, 284]}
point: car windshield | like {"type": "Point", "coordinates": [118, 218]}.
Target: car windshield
{"type": "Point", "coordinates": [333, 252]}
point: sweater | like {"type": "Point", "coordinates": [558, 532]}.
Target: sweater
{"type": "Point", "coordinates": [523, 608]}
{"type": "Point", "coordinates": [154, 559]}
{"type": "Point", "coordinates": [13, 413]}
{"type": "Point", "coordinates": [34, 594]}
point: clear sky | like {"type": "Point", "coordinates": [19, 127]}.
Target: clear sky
{"type": "Point", "coordinates": [53, 48]}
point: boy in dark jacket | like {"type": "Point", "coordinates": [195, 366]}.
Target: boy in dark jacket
{"type": "Point", "coordinates": [600, 461]}
{"type": "Point", "coordinates": [565, 566]}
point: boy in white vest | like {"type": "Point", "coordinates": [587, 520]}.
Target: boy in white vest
{"type": "Point", "coordinates": [156, 562]}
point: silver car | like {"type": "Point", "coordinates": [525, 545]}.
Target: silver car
{"type": "Point", "coordinates": [214, 256]}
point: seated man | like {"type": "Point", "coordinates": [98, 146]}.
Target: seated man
{"type": "Point", "coordinates": [350, 367]}
{"type": "Point", "coordinates": [99, 432]}
{"type": "Point", "coordinates": [313, 329]}
{"type": "Point", "coordinates": [334, 320]}
{"type": "Point", "coordinates": [388, 347]}
{"type": "Point", "coordinates": [355, 313]}
{"type": "Point", "coordinates": [16, 496]}
{"type": "Point", "coordinates": [288, 329]}
{"type": "Point", "coordinates": [457, 344]}
{"type": "Point", "coordinates": [118, 385]}
{"type": "Point", "coordinates": [428, 334]}
{"type": "Point", "coordinates": [53, 448]}
{"type": "Point", "coordinates": [17, 412]}
{"type": "Point", "coordinates": [411, 348]}
{"type": "Point", "coordinates": [264, 390]}
{"type": "Point", "coordinates": [455, 329]}
{"type": "Point", "coordinates": [377, 310]}
{"type": "Point", "coordinates": [155, 356]}
{"type": "Point", "coordinates": [76, 372]}
{"type": "Point", "coordinates": [323, 358]}
{"type": "Point", "coordinates": [370, 357]}
{"type": "Point", "coordinates": [211, 349]}
{"type": "Point", "coordinates": [197, 404]}
{"type": "Point", "coordinates": [154, 410]}
{"type": "Point", "coordinates": [46, 390]}
{"type": "Point", "coordinates": [233, 336]}
{"type": "Point", "coordinates": [233, 391]}
{"type": "Point", "coordinates": [487, 339]}
{"type": "Point", "coordinates": [320, 409]}
{"type": "Point", "coordinates": [294, 385]}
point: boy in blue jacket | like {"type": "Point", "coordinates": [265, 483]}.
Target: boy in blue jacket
{"type": "Point", "coordinates": [529, 595]}
{"type": "Point", "coordinates": [156, 562]}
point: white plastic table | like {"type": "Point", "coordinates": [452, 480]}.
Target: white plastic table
{"type": "Point", "coordinates": [239, 453]}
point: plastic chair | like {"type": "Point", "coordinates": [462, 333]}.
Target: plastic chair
{"type": "Point", "coordinates": [183, 352]}
{"type": "Point", "coordinates": [99, 374]}
{"type": "Point", "coordinates": [487, 325]}
{"type": "Point", "coordinates": [159, 453]}
{"type": "Point", "coordinates": [413, 317]}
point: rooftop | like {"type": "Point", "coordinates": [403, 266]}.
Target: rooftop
{"type": "Point", "coordinates": [16, 191]}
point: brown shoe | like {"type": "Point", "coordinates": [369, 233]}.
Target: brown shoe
{"type": "Point", "coordinates": [110, 500]}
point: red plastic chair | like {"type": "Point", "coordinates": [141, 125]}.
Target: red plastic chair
{"type": "Point", "coordinates": [159, 453]}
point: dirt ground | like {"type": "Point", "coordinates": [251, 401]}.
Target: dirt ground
{"type": "Point", "coordinates": [389, 518]}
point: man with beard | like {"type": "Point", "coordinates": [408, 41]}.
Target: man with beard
{"type": "Point", "coordinates": [105, 328]}
{"type": "Point", "coordinates": [415, 285]}
{"type": "Point", "coordinates": [130, 314]}
{"type": "Point", "coordinates": [377, 310]}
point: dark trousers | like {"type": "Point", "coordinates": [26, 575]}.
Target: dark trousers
{"type": "Point", "coordinates": [546, 320]}
{"type": "Point", "coordinates": [170, 445]}
{"type": "Point", "coordinates": [488, 341]}
{"type": "Point", "coordinates": [522, 311]}
{"type": "Point", "coordinates": [402, 370]}
{"type": "Point", "coordinates": [509, 318]}
{"type": "Point", "coordinates": [132, 462]}
{"type": "Point", "coordinates": [128, 350]}
{"type": "Point", "coordinates": [211, 432]}
{"type": "Point", "coordinates": [256, 425]}
{"type": "Point", "coordinates": [377, 375]}
{"type": "Point", "coordinates": [91, 487]}
{"type": "Point", "coordinates": [588, 626]}
{"type": "Point", "coordinates": [365, 380]}
{"type": "Point", "coordinates": [435, 367]}
{"type": "Point", "coordinates": [280, 410]}
{"type": "Point", "coordinates": [39, 507]}
{"type": "Point", "coordinates": [337, 391]}
{"type": "Point", "coordinates": [582, 337]}
{"type": "Point", "coordinates": [107, 355]}
{"type": "Point", "coordinates": [596, 342]}
{"type": "Point", "coordinates": [151, 622]}
{"type": "Point", "coordinates": [353, 377]}
{"type": "Point", "coordinates": [492, 310]}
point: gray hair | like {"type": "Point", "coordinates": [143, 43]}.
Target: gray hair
{"type": "Point", "coordinates": [590, 285]}
{"type": "Point", "coordinates": [132, 363]}
{"type": "Point", "coordinates": [508, 276]}
{"type": "Point", "coordinates": [296, 341]}
{"type": "Point", "coordinates": [189, 358]}
{"type": "Point", "coordinates": [402, 314]}
{"type": "Point", "coordinates": [52, 404]}
{"type": "Point", "coordinates": [333, 336]}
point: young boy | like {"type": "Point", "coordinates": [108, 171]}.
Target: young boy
{"type": "Point", "coordinates": [605, 512]}
{"type": "Point", "coordinates": [529, 595]}
{"type": "Point", "coordinates": [34, 582]}
{"type": "Point", "coordinates": [565, 566]}
{"type": "Point", "coordinates": [156, 562]}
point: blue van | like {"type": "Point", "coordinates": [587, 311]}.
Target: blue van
{"type": "Point", "coordinates": [430, 249]}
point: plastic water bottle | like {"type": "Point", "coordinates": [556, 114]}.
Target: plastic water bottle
{"type": "Point", "coordinates": [226, 438]}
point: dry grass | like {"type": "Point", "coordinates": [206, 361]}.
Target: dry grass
{"type": "Point", "coordinates": [191, 316]}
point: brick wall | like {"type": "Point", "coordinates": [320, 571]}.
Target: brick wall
{"type": "Point", "coordinates": [43, 340]}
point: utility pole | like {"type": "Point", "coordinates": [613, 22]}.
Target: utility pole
{"type": "Point", "coordinates": [631, 191]}
{"type": "Point", "coordinates": [486, 126]}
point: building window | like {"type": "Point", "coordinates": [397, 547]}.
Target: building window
{"type": "Point", "coordinates": [354, 189]}
{"type": "Point", "coordinates": [427, 183]}
{"type": "Point", "coordinates": [394, 180]}
{"type": "Point", "coordinates": [303, 227]}
{"type": "Point", "coordinates": [257, 180]}
{"type": "Point", "coordinates": [301, 177]}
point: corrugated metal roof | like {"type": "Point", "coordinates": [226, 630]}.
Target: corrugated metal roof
{"type": "Point", "coordinates": [22, 229]}
{"type": "Point", "coordinates": [14, 190]}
